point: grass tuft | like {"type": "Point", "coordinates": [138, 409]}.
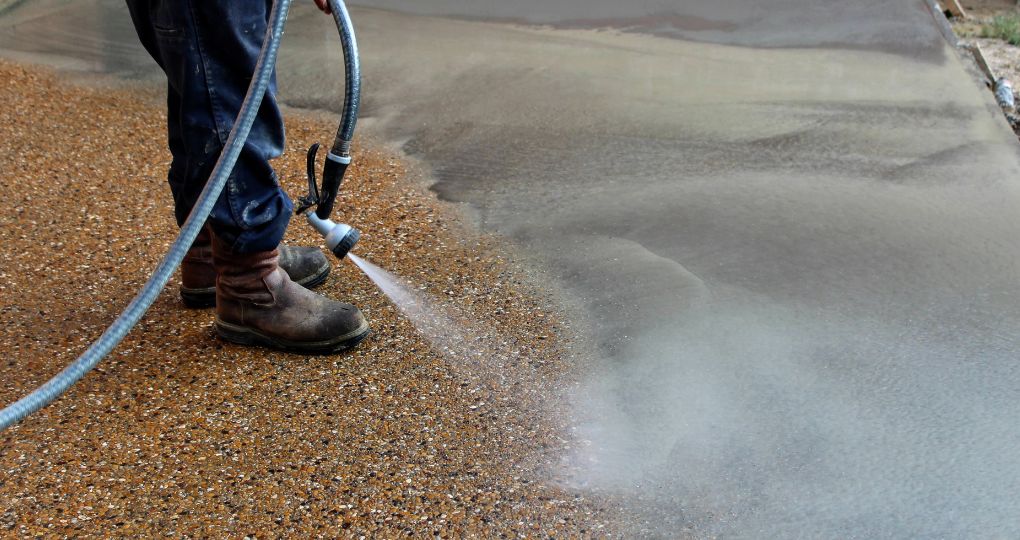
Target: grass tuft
{"type": "Point", "coordinates": [1004, 27]}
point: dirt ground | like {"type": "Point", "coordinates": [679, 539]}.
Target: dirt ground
{"type": "Point", "coordinates": [1003, 59]}
{"type": "Point", "coordinates": [180, 434]}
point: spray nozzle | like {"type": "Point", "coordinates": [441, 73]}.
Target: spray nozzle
{"type": "Point", "coordinates": [340, 238]}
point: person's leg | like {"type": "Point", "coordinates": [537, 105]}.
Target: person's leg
{"type": "Point", "coordinates": [208, 50]}
{"type": "Point", "coordinates": [154, 27]}
{"type": "Point", "coordinates": [203, 98]}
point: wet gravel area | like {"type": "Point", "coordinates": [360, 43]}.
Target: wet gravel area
{"type": "Point", "coordinates": [180, 434]}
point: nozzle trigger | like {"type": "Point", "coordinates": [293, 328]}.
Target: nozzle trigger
{"type": "Point", "coordinates": [312, 199]}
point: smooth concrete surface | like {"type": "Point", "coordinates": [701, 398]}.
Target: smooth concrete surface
{"type": "Point", "coordinates": [790, 237]}
{"type": "Point", "coordinates": [870, 24]}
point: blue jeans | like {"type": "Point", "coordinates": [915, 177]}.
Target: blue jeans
{"type": "Point", "coordinates": [208, 50]}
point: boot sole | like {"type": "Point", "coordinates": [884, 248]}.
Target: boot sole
{"type": "Point", "coordinates": [247, 336]}
{"type": "Point", "coordinates": [206, 298]}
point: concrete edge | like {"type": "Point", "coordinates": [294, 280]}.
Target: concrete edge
{"type": "Point", "coordinates": [969, 55]}
{"type": "Point", "coordinates": [973, 61]}
{"type": "Point", "coordinates": [943, 23]}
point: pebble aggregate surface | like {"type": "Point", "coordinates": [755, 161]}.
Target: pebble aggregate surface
{"type": "Point", "coordinates": [180, 434]}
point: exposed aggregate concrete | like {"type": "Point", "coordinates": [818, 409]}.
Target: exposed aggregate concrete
{"type": "Point", "coordinates": [180, 434]}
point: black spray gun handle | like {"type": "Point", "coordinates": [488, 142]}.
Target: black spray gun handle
{"type": "Point", "coordinates": [332, 177]}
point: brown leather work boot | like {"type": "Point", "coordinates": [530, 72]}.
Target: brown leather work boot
{"type": "Point", "coordinates": [258, 304]}
{"type": "Point", "coordinates": [307, 266]}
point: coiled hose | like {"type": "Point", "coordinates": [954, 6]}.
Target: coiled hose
{"type": "Point", "coordinates": [113, 335]}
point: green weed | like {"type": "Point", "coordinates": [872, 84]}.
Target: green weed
{"type": "Point", "coordinates": [1004, 27]}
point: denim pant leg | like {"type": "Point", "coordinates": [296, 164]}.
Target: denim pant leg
{"type": "Point", "coordinates": [208, 50]}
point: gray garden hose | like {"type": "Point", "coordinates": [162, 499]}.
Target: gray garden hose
{"type": "Point", "coordinates": [113, 335]}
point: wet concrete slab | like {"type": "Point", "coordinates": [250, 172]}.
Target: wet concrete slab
{"type": "Point", "coordinates": [787, 230]}
{"type": "Point", "coordinates": [900, 27]}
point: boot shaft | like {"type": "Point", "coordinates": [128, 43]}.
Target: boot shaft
{"type": "Point", "coordinates": [197, 267]}
{"type": "Point", "coordinates": [243, 277]}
